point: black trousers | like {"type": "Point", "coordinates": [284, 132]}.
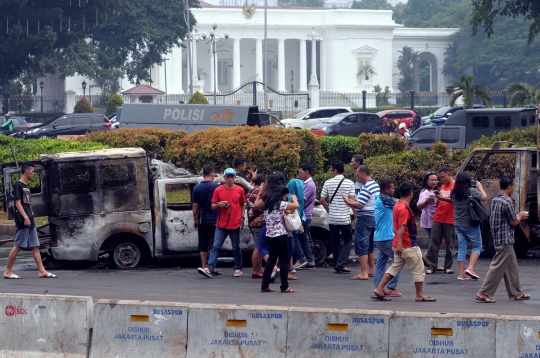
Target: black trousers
{"type": "Point", "coordinates": [277, 247]}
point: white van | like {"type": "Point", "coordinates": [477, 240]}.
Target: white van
{"type": "Point", "coordinates": [310, 117]}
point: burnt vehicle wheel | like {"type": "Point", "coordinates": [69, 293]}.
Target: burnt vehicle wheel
{"type": "Point", "coordinates": [126, 255]}
{"type": "Point", "coordinates": [320, 253]}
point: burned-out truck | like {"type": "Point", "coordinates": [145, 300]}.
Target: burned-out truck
{"type": "Point", "coordinates": [120, 202]}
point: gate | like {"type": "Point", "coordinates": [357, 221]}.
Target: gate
{"type": "Point", "coordinates": [252, 93]}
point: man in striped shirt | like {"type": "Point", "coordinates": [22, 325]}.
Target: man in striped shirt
{"type": "Point", "coordinates": [333, 193]}
{"type": "Point", "coordinates": [365, 223]}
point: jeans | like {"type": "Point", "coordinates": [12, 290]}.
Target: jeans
{"type": "Point", "coordinates": [219, 239]}
{"type": "Point", "coordinates": [363, 235]}
{"type": "Point", "coordinates": [465, 234]}
{"type": "Point", "coordinates": [302, 246]}
{"type": "Point", "coordinates": [428, 232]}
{"type": "Point", "coordinates": [263, 245]}
{"type": "Point", "coordinates": [385, 252]}
{"type": "Point", "coordinates": [277, 247]}
{"type": "Point", "coordinates": [340, 253]}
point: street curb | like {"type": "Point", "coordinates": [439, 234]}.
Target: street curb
{"type": "Point", "coordinates": [7, 230]}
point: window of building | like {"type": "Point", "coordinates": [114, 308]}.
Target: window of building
{"type": "Point", "coordinates": [480, 122]}
{"type": "Point", "coordinates": [363, 72]}
{"type": "Point", "coordinates": [505, 122]}
{"type": "Point", "coordinates": [120, 176]}
{"type": "Point", "coordinates": [532, 119]}
{"type": "Point", "coordinates": [78, 179]}
{"type": "Point", "coordinates": [223, 72]}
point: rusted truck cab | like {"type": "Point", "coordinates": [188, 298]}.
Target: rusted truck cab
{"type": "Point", "coordinates": [488, 166]}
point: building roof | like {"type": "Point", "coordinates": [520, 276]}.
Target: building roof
{"type": "Point", "coordinates": [143, 89]}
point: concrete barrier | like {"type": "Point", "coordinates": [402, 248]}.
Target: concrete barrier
{"type": "Point", "coordinates": [236, 331]}
{"type": "Point", "coordinates": [318, 332]}
{"type": "Point", "coordinates": [418, 334]}
{"type": "Point", "coordinates": [518, 336]}
{"type": "Point", "coordinates": [139, 329]}
{"type": "Point", "coordinates": [44, 325]}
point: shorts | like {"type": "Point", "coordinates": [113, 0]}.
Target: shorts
{"type": "Point", "coordinates": [206, 236]}
{"type": "Point", "coordinates": [363, 235]}
{"type": "Point", "coordinates": [26, 238]}
{"type": "Point", "coordinates": [411, 257]}
{"type": "Point", "coordinates": [255, 233]}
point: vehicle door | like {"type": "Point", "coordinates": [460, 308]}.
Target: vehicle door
{"type": "Point", "coordinates": [349, 126]}
{"type": "Point", "coordinates": [374, 123]}
{"type": "Point", "coordinates": [62, 126]}
{"type": "Point", "coordinates": [174, 227]}
{"type": "Point", "coordinates": [100, 123]}
{"type": "Point", "coordinates": [39, 189]}
{"type": "Point", "coordinates": [451, 136]}
{"type": "Point", "coordinates": [81, 124]}
{"type": "Point", "coordinates": [364, 123]}
{"type": "Point", "coordinates": [424, 137]}
{"type": "Point", "coordinates": [312, 119]}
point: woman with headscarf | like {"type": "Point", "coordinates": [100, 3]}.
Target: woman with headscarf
{"type": "Point", "coordinates": [296, 187]}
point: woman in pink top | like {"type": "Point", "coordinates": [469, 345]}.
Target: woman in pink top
{"type": "Point", "coordinates": [428, 204]}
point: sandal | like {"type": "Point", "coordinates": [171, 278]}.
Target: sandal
{"type": "Point", "coordinates": [291, 277]}
{"type": "Point", "coordinates": [269, 289]}
{"type": "Point", "coordinates": [426, 299]}
{"type": "Point", "coordinates": [288, 290]}
{"type": "Point", "coordinates": [485, 299]}
{"type": "Point", "coordinates": [449, 271]}
{"type": "Point", "coordinates": [381, 298]}
{"type": "Point", "coordinates": [275, 274]}
{"type": "Point", "coordinates": [358, 277]}
{"type": "Point", "coordinates": [523, 297]}
{"type": "Point", "coordinates": [215, 272]}
{"type": "Point", "coordinates": [392, 293]}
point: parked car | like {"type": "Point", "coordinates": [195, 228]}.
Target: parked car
{"type": "Point", "coordinates": [348, 124]}
{"type": "Point", "coordinates": [444, 112]}
{"type": "Point", "coordinates": [310, 117]}
{"type": "Point", "coordinates": [69, 124]}
{"type": "Point", "coordinates": [406, 116]}
{"type": "Point", "coordinates": [19, 124]}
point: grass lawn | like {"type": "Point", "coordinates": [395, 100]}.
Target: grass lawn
{"type": "Point", "coordinates": [4, 220]}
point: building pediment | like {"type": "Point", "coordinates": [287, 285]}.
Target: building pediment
{"type": "Point", "coordinates": [365, 51]}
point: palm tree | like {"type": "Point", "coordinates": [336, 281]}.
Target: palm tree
{"type": "Point", "coordinates": [469, 91]}
{"type": "Point", "coordinates": [367, 70]}
{"type": "Point", "coordinates": [519, 93]}
{"type": "Point", "coordinates": [405, 64]}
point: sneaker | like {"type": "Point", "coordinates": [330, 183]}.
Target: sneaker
{"type": "Point", "coordinates": [310, 266]}
{"type": "Point", "coordinates": [293, 270]}
{"type": "Point", "coordinates": [301, 264]}
{"type": "Point", "coordinates": [463, 278]}
{"type": "Point", "coordinates": [205, 272]}
{"type": "Point", "coordinates": [472, 274]}
{"type": "Point", "coordinates": [237, 273]}
{"type": "Point", "coordinates": [429, 272]}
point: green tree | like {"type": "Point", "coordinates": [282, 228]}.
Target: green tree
{"type": "Point", "coordinates": [425, 76]}
{"type": "Point", "coordinates": [370, 4]}
{"type": "Point", "coordinates": [405, 65]}
{"type": "Point", "coordinates": [83, 106]}
{"type": "Point", "coordinates": [520, 93]}
{"type": "Point", "coordinates": [198, 98]}
{"type": "Point", "coordinates": [114, 102]}
{"type": "Point", "coordinates": [466, 88]}
{"type": "Point", "coordinates": [486, 11]}
{"type": "Point", "coordinates": [382, 96]}
{"type": "Point", "coordinates": [301, 3]}
{"type": "Point", "coordinates": [367, 71]}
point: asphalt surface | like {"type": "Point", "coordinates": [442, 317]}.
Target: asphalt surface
{"type": "Point", "coordinates": [314, 288]}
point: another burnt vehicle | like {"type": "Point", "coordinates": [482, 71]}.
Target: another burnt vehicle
{"type": "Point", "coordinates": [487, 166]}
{"type": "Point", "coordinates": [120, 202]}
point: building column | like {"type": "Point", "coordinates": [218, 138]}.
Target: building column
{"type": "Point", "coordinates": [281, 65]}
{"type": "Point", "coordinates": [196, 83]}
{"type": "Point", "coordinates": [176, 73]}
{"type": "Point", "coordinates": [322, 65]}
{"type": "Point", "coordinates": [212, 79]}
{"type": "Point", "coordinates": [236, 63]}
{"type": "Point", "coordinates": [313, 82]}
{"type": "Point", "coordinates": [258, 59]}
{"type": "Point", "coordinates": [303, 67]}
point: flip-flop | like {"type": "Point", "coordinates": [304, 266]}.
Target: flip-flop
{"type": "Point", "coordinates": [523, 297]}
{"type": "Point", "coordinates": [13, 277]}
{"type": "Point", "coordinates": [381, 298]}
{"type": "Point", "coordinates": [269, 289]}
{"type": "Point", "coordinates": [439, 269]}
{"type": "Point", "coordinates": [394, 293]}
{"type": "Point", "coordinates": [426, 299]}
{"type": "Point", "coordinates": [256, 275]}
{"type": "Point", "coordinates": [485, 299]}
{"type": "Point", "coordinates": [357, 277]}
{"type": "Point", "coordinates": [289, 290]}
{"type": "Point", "coordinates": [215, 272]}
{"type": "Point", "coordinates": [49, 275]}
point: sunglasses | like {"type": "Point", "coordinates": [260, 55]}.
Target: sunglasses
{"type": "Point", "coordinates": [230, 176]}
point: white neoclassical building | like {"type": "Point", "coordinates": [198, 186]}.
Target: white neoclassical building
{"type": "Point", "coordinates": [349, 40]}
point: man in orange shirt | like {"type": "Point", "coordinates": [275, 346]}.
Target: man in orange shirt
{"type": "Point", "coordinates": [443, 225]}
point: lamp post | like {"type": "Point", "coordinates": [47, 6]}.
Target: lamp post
{"type": "Point", "coordinates": [214, 38]}
{"type": "Point", "coordinates": [84, 88]}
{"type": "Point", "coordinates": [165, 65]}
{"type": "Point", "coordinates": [19, 89]}
{"type": "Point", "coordinates": [41, 85]}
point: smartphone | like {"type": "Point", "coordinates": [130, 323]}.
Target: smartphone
{"type": "Point", "coordinates": [473, 183]}
{"type": "Point", "coordinates": [436, 192]}
{"type": "Point", "coordinates": [253, 169]}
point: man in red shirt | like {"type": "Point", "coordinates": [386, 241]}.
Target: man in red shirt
{"type": "Point", "coordinates": [406, 250]}
{"type": "Point", "coordinates": [443, 225]}
{"type": "Point", "coordinates": [230, 200]}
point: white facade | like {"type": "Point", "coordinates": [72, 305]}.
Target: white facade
{"type": "Point", "coordinates": [350, 39]}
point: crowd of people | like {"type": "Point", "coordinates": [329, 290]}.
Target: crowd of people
{"type": "Point", "coordinates": [381, 220]}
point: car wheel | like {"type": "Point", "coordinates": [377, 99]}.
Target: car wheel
{"type": "Point", "coordinates": [333, 134]}
{"type": "Point", "coordinates": [43, 136]}
{"type": "Point", "coordinates": [126, 255]}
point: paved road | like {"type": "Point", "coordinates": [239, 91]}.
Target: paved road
{"type": "Point", "coordinates": [315, 288]}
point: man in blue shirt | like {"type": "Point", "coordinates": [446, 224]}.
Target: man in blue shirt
{"type": "Point", "coordinates": [384, 235]}
{"type": "Point", "coordinates": [204, 217]}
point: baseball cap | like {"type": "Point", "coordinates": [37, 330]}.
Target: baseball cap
{"type": "Point", "coordinates": [230, 171]}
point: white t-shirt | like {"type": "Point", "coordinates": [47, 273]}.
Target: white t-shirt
{"type": "Point", "coordinates": [275, 226]}
{"type": "Point", "coordinates": [339, 213]}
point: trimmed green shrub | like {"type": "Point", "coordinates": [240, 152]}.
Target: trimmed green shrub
{"type": "Point", "coordinates": [267, 148]}
{"type": "Point", "coordinates": [114, 102]}
{"type": "Point", "coordinates": [520, 137]}
{"type": "Point", "coordinates": [371, 145]}
{"type": "Point", "coordinates": [83, 106]}
{"type": "Point", "coordinates": [198, 98]}
{"type": "Point", "coordinates": [153, 140]}
{"type": "Point", "coordinates": [338, 148]}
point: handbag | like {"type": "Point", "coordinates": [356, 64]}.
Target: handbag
{"type": "Point", "coordinates": [477, 212]}
{"type": "Point", "coordinates": [292, 221]}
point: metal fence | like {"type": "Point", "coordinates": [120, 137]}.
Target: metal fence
{"type": "Point", "coordinates": [35, 104]}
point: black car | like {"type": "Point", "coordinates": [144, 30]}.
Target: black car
{"type": "Point", "coordinates": [349, 124]}
{"type": "Point", "coordinates": [19, 124]}
{"type": "Point", "coordinates": [69, 124]}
